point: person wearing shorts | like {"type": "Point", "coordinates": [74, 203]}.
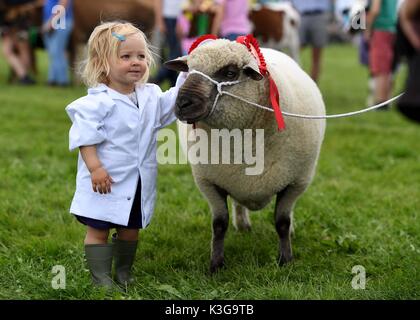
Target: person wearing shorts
{"type": "Point", "coordinates": [381, 27]}
{"type": "Point", "coordinates": [313, 29]}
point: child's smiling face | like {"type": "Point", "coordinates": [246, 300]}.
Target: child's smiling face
{"type": "Point", "coordinates": [129, 66]}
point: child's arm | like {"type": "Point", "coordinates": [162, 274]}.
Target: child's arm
{"type": "Point", "coordinates": [167, 101]}
{"type": "Point", "coordinates": [101, 181]}
{"type": "Point", "coordinates": [88, 117]}
{"type": "Point", "coordinates": [87, 131]}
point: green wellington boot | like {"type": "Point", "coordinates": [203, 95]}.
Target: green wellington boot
{"type": "Point", "coordinates": [124, 254]}
{"type": "Point", "coordinates": [99, 261]}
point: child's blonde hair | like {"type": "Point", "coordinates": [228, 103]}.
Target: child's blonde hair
{"type": "Point", "coordinates": [103, 45]}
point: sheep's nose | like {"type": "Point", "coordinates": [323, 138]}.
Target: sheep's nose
{"type": "Point", "coordinates": [184, 102]}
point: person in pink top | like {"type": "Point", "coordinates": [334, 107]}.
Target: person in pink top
{"type": "Point", "coordinates": [231, 18]}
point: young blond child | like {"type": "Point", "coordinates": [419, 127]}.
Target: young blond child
{"type": "Point", "coordinates": [115, 127]}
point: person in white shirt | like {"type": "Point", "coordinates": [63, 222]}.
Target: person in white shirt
{"type": "Point", "coordinates": [166, 17]}
{"type": "Point", "coordinates": [115, 127]}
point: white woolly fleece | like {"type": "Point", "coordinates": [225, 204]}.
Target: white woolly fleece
{"type": "Point", "coordinates": [290, 156]}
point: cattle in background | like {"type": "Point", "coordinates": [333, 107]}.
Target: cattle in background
{"type": "Point", "coordinates": [88, 14]}
{"type": "Point", "coordinates": [276, 26]}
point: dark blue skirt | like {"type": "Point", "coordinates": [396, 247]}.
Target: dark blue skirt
{"type": "Point", "coordinates": [134, 221]}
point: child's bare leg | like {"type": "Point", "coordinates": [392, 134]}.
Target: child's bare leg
{"type": "Point", "coordinates": [128, 234]}
{"type": "Point", "coordinates": [96, 236]}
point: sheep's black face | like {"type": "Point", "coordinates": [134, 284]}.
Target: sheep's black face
{"type": "Point", "coordinates": [194, 99]}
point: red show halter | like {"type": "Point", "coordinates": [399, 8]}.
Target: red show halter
{"type": "Point", "coordinates": [252, 45]}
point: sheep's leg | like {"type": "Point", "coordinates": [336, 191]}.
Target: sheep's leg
{"type": "Point", "coordinates": [284, 220]}
{"type": "Point", "coordinates": [240, 217]}
{"type": "Point", "coordinates": [217, 199]}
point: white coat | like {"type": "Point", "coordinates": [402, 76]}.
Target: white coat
{"type": "Point", "coordinates": [125, 139]}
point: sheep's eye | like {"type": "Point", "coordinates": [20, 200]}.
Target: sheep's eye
{"type": "Point", "coordinates": [227, 73]}
{"type": "Point", "coordinates": [230, 74]}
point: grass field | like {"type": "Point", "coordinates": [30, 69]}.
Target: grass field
{"type": "Point", "coordinates": [362, 209]}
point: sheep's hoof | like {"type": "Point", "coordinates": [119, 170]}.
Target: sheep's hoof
{"type": "Point", "coordinates": [284, 259]}
{"type": "Point", "coordinates": [216, 266]}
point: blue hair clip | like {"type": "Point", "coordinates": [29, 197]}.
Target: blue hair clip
{"type": "Point", "coordinates": [118, 36]}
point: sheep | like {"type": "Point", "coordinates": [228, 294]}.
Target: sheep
{"type": "Point", "coordinates": [290, 155]}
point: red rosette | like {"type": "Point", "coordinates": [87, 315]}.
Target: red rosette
{"type": "Point", "coordinates": [253, 46]}
{"type": "Point", "coordinates": [200, 39]}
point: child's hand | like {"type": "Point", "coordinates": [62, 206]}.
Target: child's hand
{"type": "Point", "coordinates": [101, 180]}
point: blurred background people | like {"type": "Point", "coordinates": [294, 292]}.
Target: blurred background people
{"type": "Point", "coordinates": [380, 31]}
{"type": "Point", "coordinates": [313, 29]}
{"type": "Point", "coordinates": [166, 15]}
{"type": "Point", "coordinates": [409, 25]}
{"type": "Point", "coordinates": [354, 25]}
{"type": "Point", "coordinates": [57, 28]}
{"type": "Point", "coordinates": [231, 18]}
{"type": "Point", "coordinates": [409, 42]}
{"type": "Point", "coordinates": [14, 25]}
{"type": "Point", "coordinates": [196, 20]}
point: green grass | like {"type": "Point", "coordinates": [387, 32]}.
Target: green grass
{"type": "Point", "coordinates": [362, 209]}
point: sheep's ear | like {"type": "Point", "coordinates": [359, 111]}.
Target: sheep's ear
{"type": "Point", "coordinates": [178, 64]}
{"type": "Point", "coordinates": [253, 71]}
